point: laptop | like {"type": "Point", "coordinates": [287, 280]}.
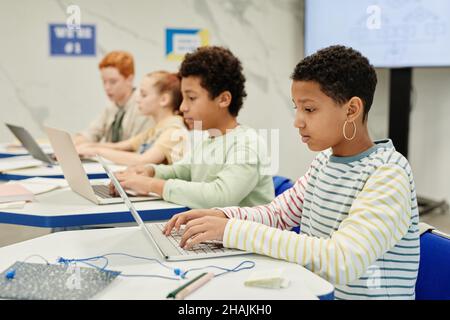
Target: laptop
{"type": "Point", "coordinates": [31, 145]}
{"type": "Point", "coordinates": [169, 246]}
{"type": "Point", "coordinates": [75, 174]}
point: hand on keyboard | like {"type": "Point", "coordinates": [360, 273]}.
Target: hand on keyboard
{"type": "Point", "coordinates": [203, 229]}
{"type": "Point", "coordinates": [140, 185]}
{"type": "Point", "coordinates": [204, 247]}
{"type": "Point", "coordinates": [180, 219]}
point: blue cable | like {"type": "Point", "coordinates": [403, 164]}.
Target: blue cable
{"type": "Point", "coordinates": [115, 272]}
{"type": "Point", "coordinates": [178, 272]}
{"type": "Point", "coordinates": [235, 269]}
{"type": "Point", "coordinates": [11, 274]}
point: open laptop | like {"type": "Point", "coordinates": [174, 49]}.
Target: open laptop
{"type": "Point", "coordinates": [75, 174]}
{"type": "Point", "coordinates": [168, 246]}
{"type": "Point", "coordinates": [31, 145]}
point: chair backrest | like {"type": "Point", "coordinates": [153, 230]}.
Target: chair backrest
{"type": "Point", "coordinates": [281, 184]}
{"type": "Point", "coordinates": [433, 280]}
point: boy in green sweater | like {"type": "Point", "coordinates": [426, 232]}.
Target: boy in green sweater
{"type": "Point", "coordinates": [229, 166]}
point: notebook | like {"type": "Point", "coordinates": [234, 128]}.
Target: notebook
{"type": "Point", "coordinates": [20, 162]}
{"type": "Point", "coordinates": [38, 185]}
{"type": "Point", "coordinates": [12, 192]}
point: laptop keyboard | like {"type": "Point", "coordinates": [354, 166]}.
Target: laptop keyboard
{"type": "Point", "coordinates": [102, 191]}
{"type": "Point", "coordinates": [202, 248]}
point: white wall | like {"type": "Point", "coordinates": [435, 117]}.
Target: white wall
{"type": "Point", "coordinates": [430, 132]}
{"type": "Point", "coordinates": [266, 34]}
{"type": "Point", "coordinates": [66, 92]}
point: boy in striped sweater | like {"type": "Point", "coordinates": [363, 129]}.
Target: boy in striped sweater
{"type": "Point", "coordinates": [356, 205]}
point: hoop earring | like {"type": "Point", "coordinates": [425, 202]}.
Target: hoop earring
{"type": "Point", "coordinates": [354, 131]}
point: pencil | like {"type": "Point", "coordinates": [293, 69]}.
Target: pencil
{"type": "Point", "coordinates": [194, 286]}
{"type": "Point", "coordinates": [175, 292]}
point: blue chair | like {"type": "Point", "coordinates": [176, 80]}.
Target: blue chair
{"type": "Point", "coordinates": [281, 184]}
{"type": "Point", "coordinates": [433, 280]}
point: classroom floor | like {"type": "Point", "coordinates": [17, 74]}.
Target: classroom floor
{"type": "Point", "coordinates": [10, 234]}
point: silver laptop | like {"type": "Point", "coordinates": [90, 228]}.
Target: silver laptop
{"type": "Point", "coordinates": [75, 175]}
{"type": "Point", "coordinates": [168, 246]}
{"type": "Point", "coordinates": [31, 145]}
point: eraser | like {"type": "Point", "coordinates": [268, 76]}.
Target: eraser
{"type": "Point", "coordinates": [272, 279]}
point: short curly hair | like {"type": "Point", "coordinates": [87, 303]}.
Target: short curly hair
{"type": "Point", "coordinates": [219, 71]}
{"type": "Point", "coordinates": [342, 73]}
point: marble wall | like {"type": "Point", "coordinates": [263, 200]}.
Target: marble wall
{"type": "Point", "coordinates": [267, 35]}
{"type": "Point", "coordinates": [66, 91]}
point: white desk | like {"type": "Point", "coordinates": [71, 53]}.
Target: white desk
{"type": "Point", "coordinates": [7, 151]}
{"type": "Point", "coordinates": [94, 170]}
{"type": "Point", "coordinates": [87, 243]}
{"type": "Point", "coordinates": [64, 208]}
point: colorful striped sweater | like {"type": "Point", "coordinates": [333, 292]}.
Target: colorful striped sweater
{"type": "Point", "coordinates": [358, 220]}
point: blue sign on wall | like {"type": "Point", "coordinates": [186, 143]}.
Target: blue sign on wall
{"type": "Point", "coordinates": [181, 41]}
{"type": "Point", "coordinates": [66, 41]}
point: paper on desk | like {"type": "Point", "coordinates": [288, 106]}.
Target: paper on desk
{"type": "Point", "coordinates": [13, 205]}
{"type": "Point", "coordinates": [41, 185]}
{"type": "Point", "coordinates": [12, 148]}
{"type": "Point", "coordinates": [47, 181]}
{"type": "Point", "coordinates": [15, 163]}
{"type": "Point", "coordinates": [16, 149]}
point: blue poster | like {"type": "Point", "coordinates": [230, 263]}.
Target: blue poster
{"type": "Point", "coordinates": [80, 41]}
{"type": "Point", "coordinates": [182, 41]}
